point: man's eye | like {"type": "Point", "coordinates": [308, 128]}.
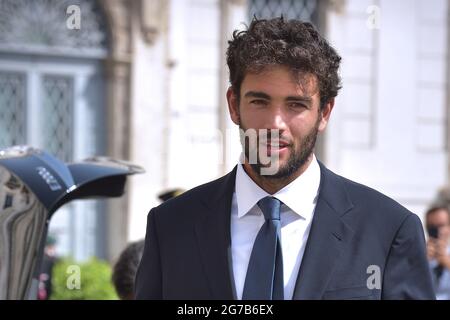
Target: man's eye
{"type": "Point", "coordinates": [259, 102]}
{"type": "Point", "coordinates": [296, 105]}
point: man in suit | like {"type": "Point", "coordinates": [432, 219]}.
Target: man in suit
{"type": "Point", "coordinates": [286, 228]}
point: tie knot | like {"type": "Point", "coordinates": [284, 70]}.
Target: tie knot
{"type": "Point", "coordinates": [270, 207]}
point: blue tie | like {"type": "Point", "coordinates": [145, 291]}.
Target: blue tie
{"type": "Point", "coordinates": [264, 279]}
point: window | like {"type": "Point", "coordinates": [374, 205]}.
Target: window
{"type": "Point", "coordinates": [12, 108]}
{"type": "Point", "coordinates": [306, 10]}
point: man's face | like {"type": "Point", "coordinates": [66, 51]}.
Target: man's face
{"type": "Point", "coordinates": [440, 219]}
{"type": "Point", "coordinates": [274, 100]}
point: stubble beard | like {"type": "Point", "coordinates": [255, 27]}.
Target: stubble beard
{"type": "Point", "coordinates": [298, 157]}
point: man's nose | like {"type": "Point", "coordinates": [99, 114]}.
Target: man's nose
{"type": "Point", "coordinates": [276, 119]}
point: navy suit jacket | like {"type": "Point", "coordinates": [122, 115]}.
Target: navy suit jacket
{"type": "Point", "coordinates": [357, 234]}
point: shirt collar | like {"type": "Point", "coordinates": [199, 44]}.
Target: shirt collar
{"type": "Point", "coordinates": [300, 195]}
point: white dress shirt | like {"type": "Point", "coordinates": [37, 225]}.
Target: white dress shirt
{"type": "Point", "coordinates": [296, 213]}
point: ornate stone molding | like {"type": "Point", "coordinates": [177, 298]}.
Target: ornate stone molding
{"type": "Point", "coordinates": [119, 22]}
{"type": "Point", "coordinates": [336, 6]}
{"type": "Point", "coordinates": [118, 101]}
{"type": "Point", "coordinates": [152, 18]}
{"type": "Point", "coordinates": [237, 2]}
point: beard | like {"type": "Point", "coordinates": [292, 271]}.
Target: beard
{"type": "Point", "coordinates": [297, 156]}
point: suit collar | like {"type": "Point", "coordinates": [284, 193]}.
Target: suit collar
{"type": "Point", "coordinates": [328, 237]}
{"type": "Point", "coordinates": [333, 191]}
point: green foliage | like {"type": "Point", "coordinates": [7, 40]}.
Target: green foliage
{"type": "Point", "coordinates": [90, 280]}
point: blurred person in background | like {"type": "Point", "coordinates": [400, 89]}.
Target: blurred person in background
{"type": "Point", "coordinates": [48, 262]}
{"type": "Point", "coordinates": [437, 221]}
{"type": "Point", "coordinates": [124, 271]}
{"type": "Point", "coordinates": [169, 194]}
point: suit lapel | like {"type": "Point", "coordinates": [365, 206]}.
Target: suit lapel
{"type": "Point", "coordinates": [212, 229]}
{"type": "Point", "coordinates": [329, 235]}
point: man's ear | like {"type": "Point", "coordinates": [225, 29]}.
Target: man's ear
{"type": "Point", "coordinates": [233, 106]}
{"type": "Point", "coordinates": [325, 114]}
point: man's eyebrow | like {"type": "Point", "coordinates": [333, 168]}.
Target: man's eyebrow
{"type": "Point", "coordinates": [257, 94]}
{"type": "Point", "coordinates": [262, 95]}
{"type": "Point", "coordinates": [299, 98]}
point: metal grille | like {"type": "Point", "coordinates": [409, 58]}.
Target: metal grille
{"type": "Point", "coordinates": [44, 22]}
{"type": "Point", "coordinates": [12, 109]}
{"type": "Point", "coordinates": [57, 116]}
{"type": "Point", "coordinates": [306, 10]}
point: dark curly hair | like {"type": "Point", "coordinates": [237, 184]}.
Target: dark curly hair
{"type": "Point", "coordinates": [293, 43]}
{"type": "Point", "coordinates": [124, 271]}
